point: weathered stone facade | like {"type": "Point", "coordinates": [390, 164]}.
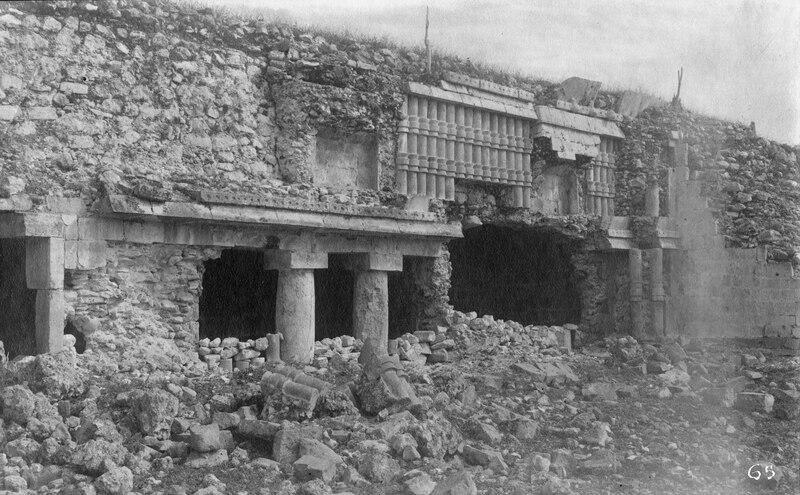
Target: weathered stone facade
{"type": "Point", "coordinates": [139, 144]}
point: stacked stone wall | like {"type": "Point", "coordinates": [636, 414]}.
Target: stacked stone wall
{"type": "Point", "coordinates": [150, 291]}
{"type": "Point", "coordinates": [721, 292]}
{"type": "Point", "coordinates": [753, 183]}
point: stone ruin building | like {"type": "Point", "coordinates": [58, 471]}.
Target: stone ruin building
{"type": "Point", "coordinates": [167, 176]}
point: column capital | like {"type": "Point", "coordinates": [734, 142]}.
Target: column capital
{"type": "Point", "coordinates": [294, 260]}
{"type": "Point", "coordinates": [374, 262]}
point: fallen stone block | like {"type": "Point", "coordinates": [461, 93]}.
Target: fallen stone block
{"type": "Point", "coordinates": [310, 467]}
{"type": "Point", "coordinates": [787, 404]}
{"type": "Point", "coordinates": [379, 467]}
{"type": "Point", "coordinates": [18, 404]}
{"type": "Point", "coordinates": [439, 356]}
{"type": "Point", "coordinates": [382, 384]}
{"type": "Point", "coordinates": [675, 352]}
{"type": "Point", "coordinates": [718, 396]}
{"type": "Point", "coordinates": [658, 367]}
{"type": "Point", "coordinates": [487, 433]}
{"type": "Point", "coordinates": [460, 483]}
{"type": "Point", "coordinates": [601, 462]}
{"type": "Point", "coordinates": [206, 460]}
{"type": "Point", "coordinates": [205, 438]}
{"type": "Point", "coordinates": [155, 410]}
{"type": "Point", "coordinates": [418, 483]}
{"type": "Point", "coordinates": [286, 443]}
{"type": "Point", "coordinates": [117, 481]}
{"type": "Point", "coordinates": [492, 459]}
{"type": "Point", "coordinates": [579, 90]}
{"type": "Point", "coordinates": [526, 429]}
{"type": "Point", "coordinates": [226, 420]}
{"type": "Point", "coordinates": [754, 401]}
{"type": "Point", "coordinates": [600, 390]}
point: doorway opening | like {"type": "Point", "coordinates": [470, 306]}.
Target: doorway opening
{"type": "Point", "coordinates": [18, 303]}
{"type": "Point", "coordinates": [238, 298]}
{"type": "Point", "coordinates": [525, 275]}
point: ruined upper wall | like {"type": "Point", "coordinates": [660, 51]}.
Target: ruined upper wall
{"type": "Point", "coordinates": [159, 99]}
{"type": "Point", "coordinates": [752, 184]}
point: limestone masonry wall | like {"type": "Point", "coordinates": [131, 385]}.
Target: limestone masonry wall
{"type": "Point", "coordinates": [724, 292]}
{"type": "Point", "coordinates": [141, 292]}
{"type": "Point", "coordinates": [154, 102]}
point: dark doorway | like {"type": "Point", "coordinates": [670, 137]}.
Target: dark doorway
{"type": "Point", "coordinates": [409, 296]}
{"type": "Point", "coordinates": [333, 288]}
{"type": "Point", "coordinates": [80, 340]}
{"type": "Point", "coordinates": [524, 275]}
{"type": "Point", "coordinates": [238, 298]}
{"type": "Point", "coordinates": [17, 302]}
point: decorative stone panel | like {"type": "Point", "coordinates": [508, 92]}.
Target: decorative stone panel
{"type": "Point", "coordinates": [445, 137]}
{"type": "Point", "coordinates": [600, 180]}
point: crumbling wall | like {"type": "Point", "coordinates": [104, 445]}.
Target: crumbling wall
{"type": "Point", "coordinates": [94, 103]}
{"type": "Point", "coordinates": [753, 183]}
{"type": "Point", "coordinates": [142, 290]}
{"type": "Point", "coordinates": [723, 292]}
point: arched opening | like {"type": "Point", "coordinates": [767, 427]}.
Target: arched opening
{"type": "Point", "coordinates": [17, 302]}
{"type": "Point", "coordinates": [525, 275]}
{"type": "Point", "coordinates": [238, 298]}
{"type": "Point", "coordinates": [80, 340]}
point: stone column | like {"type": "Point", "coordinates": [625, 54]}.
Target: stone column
{"type": "Point", "coordinates": [651, 200]}
{"type": "Point", "coordinates": [635, 271]}
{"type": "Point", "coordinates": [295, 301]}
{"type": "Point", "coordinates": [44, 272]}
{"type": "Point", "coordinates": [671, 188]}
{"type": "Point", "coordinates": [371, 297]}
{"type": "Point", "coordinates": [656, 257]}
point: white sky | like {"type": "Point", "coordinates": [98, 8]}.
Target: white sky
{"type": "Point", "coordinates": [741, 58]}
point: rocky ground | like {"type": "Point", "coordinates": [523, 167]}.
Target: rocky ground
{"type": "Point", "coordinates": [505, 410]}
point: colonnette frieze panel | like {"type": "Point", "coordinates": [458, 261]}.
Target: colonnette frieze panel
{"type": "Point", "coordinates": [600, 189]}
{"type": "Point", "coordinates": [446, 136]}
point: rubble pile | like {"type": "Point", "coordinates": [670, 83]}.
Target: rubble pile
{"type": "Point", "coordinates": [517, 410]}
{"type": "Point", "coordinates": [230, 353]}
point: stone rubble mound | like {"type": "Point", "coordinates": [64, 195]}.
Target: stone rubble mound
{"type": "Point", "coordinates": [513, 409]}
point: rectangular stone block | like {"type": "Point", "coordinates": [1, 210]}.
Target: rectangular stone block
{"type": "Point", "coordinates": [74, 88]}
{"type": "Point", "coordinates": [90, 254]}
{"type": "Point", "coordinates": [100, 229]}
{"type": "Point", "coordinates": [754, 401]}
{"type": "Point", "coordinates": [71, 206]}
{"type": "Point", "coordinates": [49, 320]}
{"type": "Point", "coordinates": [375, 262]}
{"type": "Point", "coordinates": [70, 255]}
{"type": "Point", "coordinates": [44, 262]}
{"type": "Point", "coordinates": [288, 260]}
{"type": "Point", "coordinates": [42, 113]}
{"type": "Point", "coordinates": [8, 112]}
{"type": "Point", "coordinates": [143, 232]}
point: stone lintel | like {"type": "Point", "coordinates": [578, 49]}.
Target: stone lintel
{"type": "Point", "coordinates": [44, 262]}
{"type": "Point", "coordinates": [17, 202]}
{"type": "Point", "coordinates": [362, 262]}
{"type": "Point", "coordinates": [143, 232]}
{"type": "Point", "coordinates": [295, 260]}
{"type": "Point", "coordinates": [254, 216]}
{"type": "Point", "coordinates": [32, 225]}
